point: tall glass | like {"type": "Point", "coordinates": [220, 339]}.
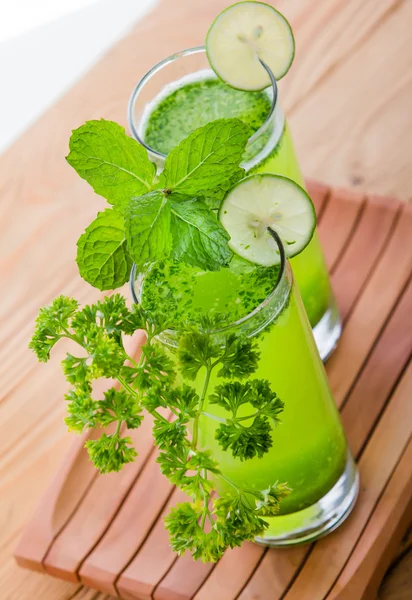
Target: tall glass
{"type": "Point", "coordinates": [271, 150]}
{"type": "Point", "coordinates": [309, 449]}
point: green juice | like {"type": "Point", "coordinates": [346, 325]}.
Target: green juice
{"type": "Point", "coordinates": [183, 107]}
{"type": "Point", "coordinates": [309, 446]}
{"type": "Point", "coordinates": [309, 449]}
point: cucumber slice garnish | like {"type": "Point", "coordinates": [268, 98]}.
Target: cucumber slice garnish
{"type": "Point", "coordinates": [241, 35]}
{"type": "Point", "coordinates": [264, 201]}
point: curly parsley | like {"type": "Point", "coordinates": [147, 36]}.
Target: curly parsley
{"type": "Point", "coordinates": [209, 523]}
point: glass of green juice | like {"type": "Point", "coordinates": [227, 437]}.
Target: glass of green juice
{"type": "Point", "coordinates": [309, 450]}
{"type": "Point", "coordinates": [182, 93]}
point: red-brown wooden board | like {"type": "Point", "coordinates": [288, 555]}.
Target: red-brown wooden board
{"type": "Point", "coordinates": [107, 531]}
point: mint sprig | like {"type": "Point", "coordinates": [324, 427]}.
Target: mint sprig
{"type": "Point", "coordinates": [169, 216]}
{"type": "Point", "coordinates": [207, 159]}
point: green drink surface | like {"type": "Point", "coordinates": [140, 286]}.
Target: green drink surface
{"type": "Point", "coordinates": [198, 103]}
{"type": "Point", "coordinates": [185, 293]}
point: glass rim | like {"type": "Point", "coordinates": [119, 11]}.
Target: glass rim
{"type": "Point", "coordinates": [282, 272]}
{"type": "Point", "coordinates": [176, 56]}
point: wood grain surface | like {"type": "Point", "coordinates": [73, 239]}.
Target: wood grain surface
{"type": "Point", "coordinates": [348, 100]}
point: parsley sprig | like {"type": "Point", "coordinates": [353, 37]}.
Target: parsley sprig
{"type": "Point", "coordinates": [208, 523]}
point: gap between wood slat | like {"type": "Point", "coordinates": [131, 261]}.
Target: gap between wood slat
{"type": "Point", "coordinates": [346, 312]}
{"type": "Point", "coordinates": [74, 509]}
{"type": "Point", "coordinates": [129, 584]}
{"type": "Point", "coordinates": [319, 193]}
{"type": "Point", "coordinates": [346, 243]}
{"type": "Point", "coordinates": [52, 566]}
{"type": "Point", "coordinates": [245, 595]}
{"type": "Point", "coordinates": [135, 480]}
{"type": "Point", "coordinates": [224, 580]}
{"type": "Point", "coordinates": [324, 205]}
{"type": "Point", "coordinates": [180, 565]}
{"type": "Point", "coordinates": [72, 596]}
{"type": "Point", "coordinates": [339, 218]}
{"type": "Point", "coordinates": [259, 562]}
{"type": "Point", "coordinates": [72, 512]}
{"type": "Point", "coordinates": [376, 341]}
{"type": "Point", "coordinates": [153, 594]}
{"type": "Point", "coordinates": [92, 434]}
{"type": "Point", "coordinates": [376, 262]}
{"type": "Point", "coordinates": [84, 593]}
{"type": "Point", "coordinates": [394, 370]}
{"type": "Point", "coordinates": [405, 547]}
{"type": "Point", "coordinates": [158, 516]}
{"type": "Point", "coordinates": [388, 399]}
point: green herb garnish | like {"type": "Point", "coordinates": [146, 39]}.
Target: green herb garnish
{"type": "Point", "coordinates": [208, 524]}
{"type": "Point", "coordinates": [154, 218]}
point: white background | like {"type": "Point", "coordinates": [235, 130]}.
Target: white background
{"type": "Point", "coordinates": [45, 45]}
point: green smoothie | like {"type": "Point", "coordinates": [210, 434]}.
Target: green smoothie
{"type": "Point", "coordinates": [189, 104]}
{"type": "Point", "coordinates": [309, 447]}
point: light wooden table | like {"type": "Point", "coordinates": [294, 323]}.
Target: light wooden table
{"type": "Point", "coordinates": [348, 98]}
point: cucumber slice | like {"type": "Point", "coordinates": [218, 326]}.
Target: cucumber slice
{"type": "Point", "coordinates": [261, 201]}
{"type": "Point", "coordinates": [241, 35]}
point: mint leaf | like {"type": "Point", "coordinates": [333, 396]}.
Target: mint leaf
{"type": "Point", "coordinates": [214, 198]}
{"type": "Point", "coordinates": [198, 237]}
{"type": "Point", "coordinates": [207, 157]}
{"type": "Point", "coordinates": [102, 255]}
{"type": "Point", "coordinates": [114, 164]}
{"type": "Point", "coordinates": [147, 224]}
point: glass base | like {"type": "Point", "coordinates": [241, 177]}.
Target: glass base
{"type": "Point", "coordinates": [328, 331]}
{"type": "Point", "coordinates": [319, 519]}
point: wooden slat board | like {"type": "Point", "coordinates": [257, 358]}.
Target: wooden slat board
{"type": "Point", "coordinates": [107, 533]}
